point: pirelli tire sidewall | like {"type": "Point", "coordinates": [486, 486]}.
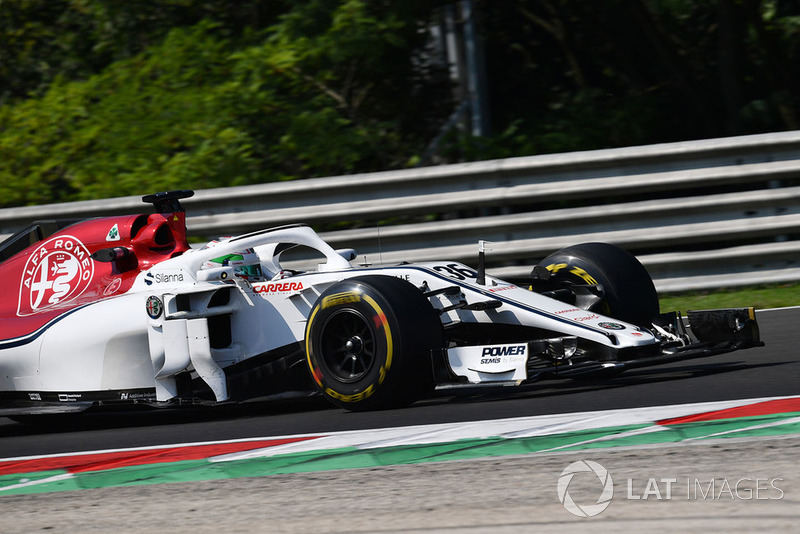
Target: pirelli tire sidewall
{"type": "Point", "coordinates": [630, 293]}
{"type": "Point", "coordinates": [402, 328]}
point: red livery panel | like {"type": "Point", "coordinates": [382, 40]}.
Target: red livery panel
{"type": "Point", "coordinates": [57, 273]}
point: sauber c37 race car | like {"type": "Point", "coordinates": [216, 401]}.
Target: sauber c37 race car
{"type": "Point", "coordinates": [122, 310]}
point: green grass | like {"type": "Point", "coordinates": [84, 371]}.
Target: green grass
{"type": "Point", "coordinates": [761, 297]}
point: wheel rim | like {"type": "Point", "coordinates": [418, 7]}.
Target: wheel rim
{"type": "Point", "coordinates": [348, 346]}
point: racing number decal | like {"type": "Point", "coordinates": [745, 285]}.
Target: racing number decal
{"type": "Point", "coordinates": [577, 271]}
{"type": "Point", "coordinates": [454, 270]}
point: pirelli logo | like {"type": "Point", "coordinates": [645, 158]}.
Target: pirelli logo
{"type": "Point", "coordinates": [338, 299]}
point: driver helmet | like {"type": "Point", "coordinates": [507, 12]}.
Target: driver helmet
{"type": "Point", "coordinates": [245, 262]}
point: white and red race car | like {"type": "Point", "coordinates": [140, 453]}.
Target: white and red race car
{"type": "Point", "coordinates": [121, 309]}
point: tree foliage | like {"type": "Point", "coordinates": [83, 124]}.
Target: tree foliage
{"type": "Point", "coordinates": [582, 75]}
{"type": "Point", "coordinates": [104, 98]}
{"type": "Point", "coordinates": [321, 91]}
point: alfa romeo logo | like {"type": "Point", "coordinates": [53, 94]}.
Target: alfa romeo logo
{"type": "Point", "coordinates": [607, 485]}
{"type": "Point", "coordinates": [58, 271]}
{"type": "Point", "coordinates": [154, 307]}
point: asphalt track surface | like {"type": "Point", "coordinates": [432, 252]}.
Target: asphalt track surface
{"type": "Point", "coordinates": [760, 372]}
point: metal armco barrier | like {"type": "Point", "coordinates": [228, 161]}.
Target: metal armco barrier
{"type": "Point", "coordinates": [699, 215]}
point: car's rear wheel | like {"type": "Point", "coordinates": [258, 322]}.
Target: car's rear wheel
{"type": "Point", "coordinates": [627, 293]}
{"type": "Point", "coordinates": [369, 342]}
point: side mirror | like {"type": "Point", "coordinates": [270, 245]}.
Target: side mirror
{"type": "Point", "coordinates": [107, 255]}
{"type": "Point", "coordinates": [347, 253]}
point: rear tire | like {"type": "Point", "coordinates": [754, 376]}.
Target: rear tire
{"type": "Point", "coordinates": [630, 295]}
{"type": "Point", "coordinates": [369, 342]}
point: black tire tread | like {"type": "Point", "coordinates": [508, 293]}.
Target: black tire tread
{"type": "Point", "coordinates": [630, 293]}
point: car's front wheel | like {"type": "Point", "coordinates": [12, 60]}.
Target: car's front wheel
{"type": "Point", "coordinates": [369, 342]}
{"type": "Point", "coordinates": [628, 292]}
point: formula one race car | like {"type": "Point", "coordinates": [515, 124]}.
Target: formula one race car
{"type": "Point", "coordinates": [118, 310]}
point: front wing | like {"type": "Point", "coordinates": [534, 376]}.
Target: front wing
{"type": "Point", "coordinates": [700, 334]}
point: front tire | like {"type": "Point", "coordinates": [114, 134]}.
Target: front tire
{"type": "Point", "coordinates": [628, 291]}
{"type": "Point", "coordinates": [369, 342]}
